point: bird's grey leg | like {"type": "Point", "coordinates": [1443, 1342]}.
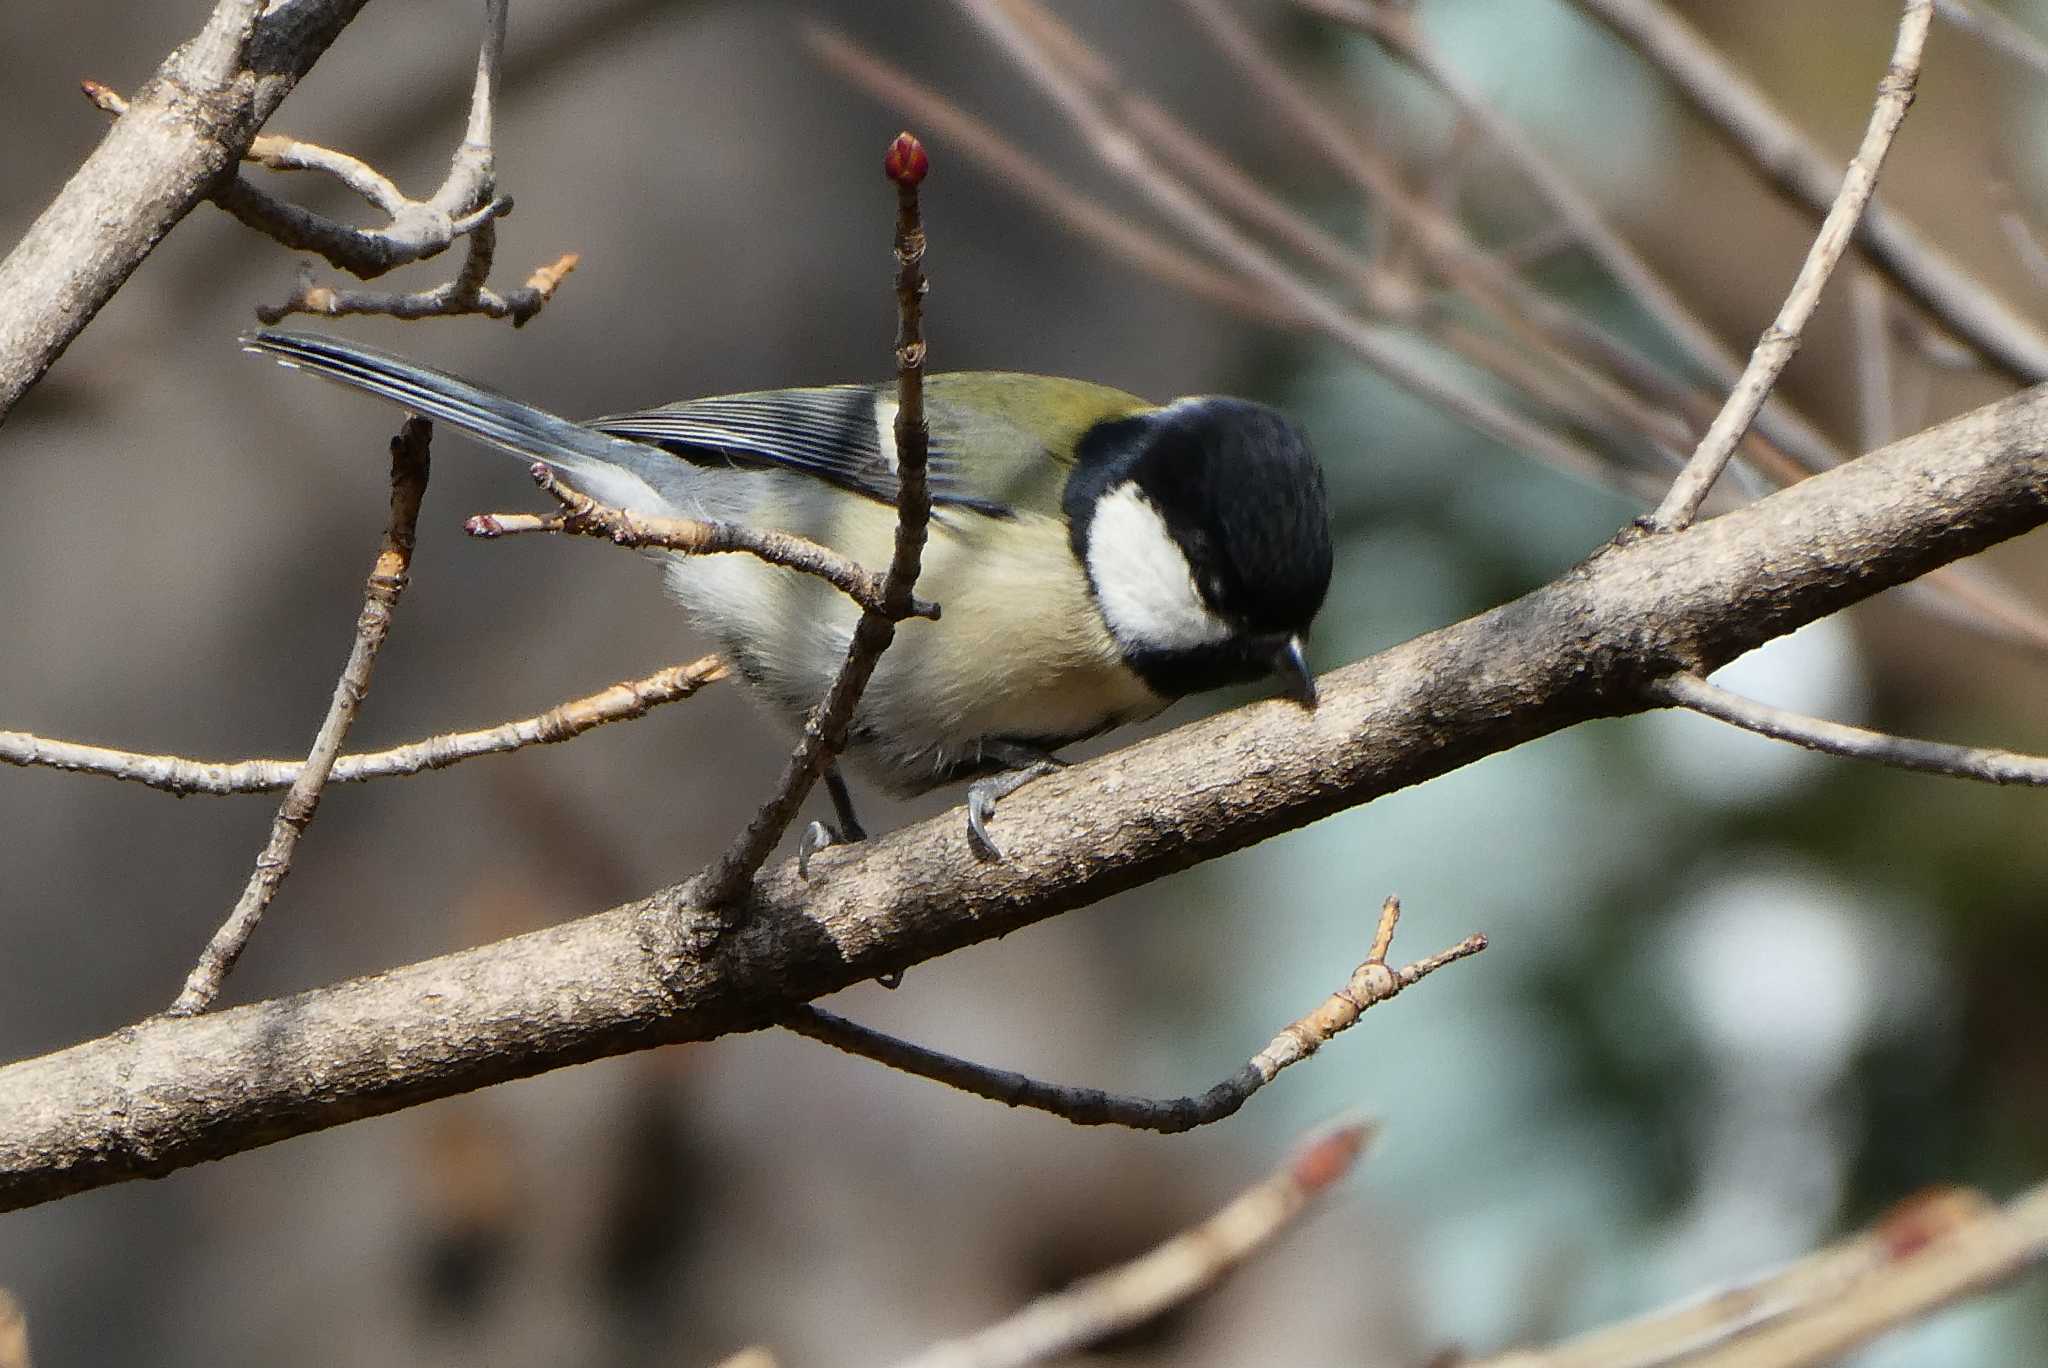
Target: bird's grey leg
{"type": "Point", "coordinates": [817, 836]}
{"type": "Point", "coordinates": [850, 828]}
{"type": "Point", "coordinates": [1025, 764]}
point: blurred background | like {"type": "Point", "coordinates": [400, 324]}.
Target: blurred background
{"type": "Point", "coordinates": [1741, 999]}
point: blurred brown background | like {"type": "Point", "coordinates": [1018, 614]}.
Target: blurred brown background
{"type": "Point", "coordinates": [1740, 998]}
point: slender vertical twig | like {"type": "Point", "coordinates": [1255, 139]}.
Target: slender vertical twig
{"type": "Point", "coordinates": [1781, 339]}
{"type": "Point", "coordinates": [295, 814]}
{"type": "Point", "coordinates": [824, 736]}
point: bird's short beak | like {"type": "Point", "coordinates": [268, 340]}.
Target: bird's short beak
{"type": "Point", "coordinates": [1293, 670]}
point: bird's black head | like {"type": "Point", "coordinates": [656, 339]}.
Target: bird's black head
{"type": "Point", "coordinates": [1205, 531]}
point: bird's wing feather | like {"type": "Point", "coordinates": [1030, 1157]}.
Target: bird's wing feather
{"type": "Point", "coordinates": [836, 433]}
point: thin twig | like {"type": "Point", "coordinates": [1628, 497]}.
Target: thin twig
{"type": "Point", "coordinates": [825, 729]}
{"type": "Point", "coordinates": [380, 600]}
{"type": "Point", "coordinates": [1178, 1270]}
{"type": "Point", "coordinates": [1373, 982]}
{"type": "Point", "coordinates": [1012, 168]}
{"type": "Point", "coordinates": [463, 295]}
{"type": "Point", "coordinates": [1855, 743]}
{"type": "Point", "coordinates": [1396, 31]}
{"type": "Point", "coordinates": [584, 516]}
{"type": "Point", "coordinates": [1020, 29]}
{"type": "Point", "coordinates": [1789, 162]}
{"type": "Point", "coordinates": [1781, 339]}
{"type": "Point", "coordinates": [176, 774]}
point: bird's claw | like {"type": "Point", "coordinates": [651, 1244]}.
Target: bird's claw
{"type": "Point", "coordinates": [983, 794]}
{"type": "Point", "coordinates": [817, 836]}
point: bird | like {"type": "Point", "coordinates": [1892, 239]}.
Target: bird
{"type": "Point", "coordinates": [1095, 556]}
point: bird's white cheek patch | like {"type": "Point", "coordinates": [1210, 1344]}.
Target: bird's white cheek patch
{"type": "Point", "coordinates": [1142, 578]}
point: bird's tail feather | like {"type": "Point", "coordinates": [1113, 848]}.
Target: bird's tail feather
{"type": "Point", "coordinates": [509, 424]}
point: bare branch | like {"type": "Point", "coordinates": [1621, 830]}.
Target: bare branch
{"type": "Point", "coordinates": [1931, 1251]}
{"type": "Point", "coordinates": [188, 126]}
{"type": "Point", "coordinates": [179, 775]}
{"type": "Point", "coordinates": [584, 516]}
{"type": "Point", "coordinates": [1123, 153]}
{"type": "Point", "coordinates": [1137, 247]}
{"type": "Point", "coordinates": [1855, 743]}
{"type": "Point", "coordinates": [1371, 983]}
{"type": "Point", "coordinates": [728, 877]}
{"type": "Point", "coordinates": [1781, 339]}
{"type": "Point", "coordinates": [466, 294]}
{"type": "Point", "coordinates": [1789, 162]}
{"type": "Point", "coordinates": [380, 599]}
{"type": "Point", "coordinates": [465, 208]}
{"type": "Point", "coordinates": [164, 1094]}
{"type": "Point", "coordinates": [1182, 1268]}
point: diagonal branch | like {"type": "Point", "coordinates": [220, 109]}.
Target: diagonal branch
{"type": "Point", "coordinates": [1781, 339]}
{"type": "Point", "coordinates": [163, 1094]}
{"type": "Point", "coordinates": [1789, 162]}
{"type": "Point", "coordinates": [179, 775]}
{"type": "Point", "coordinates": [1931, 1251]}
{"type": "Point", "coordinates": [187, 127]}
{"type": "Point", "coordinates": [1371, 983]}
{"type": "Point", "coordinates": [1854, 743]}
{"type": "Point", "coordinates": [295, 814]}
{"type": "Point", "coordinates": [1183, 1267]}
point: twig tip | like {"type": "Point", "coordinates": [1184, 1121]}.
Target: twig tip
{"type": "Point", "coordinates": [906, 162]}
{"type": "Point", "coordinates": [1329, 1155]}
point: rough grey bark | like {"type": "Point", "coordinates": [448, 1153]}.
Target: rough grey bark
{"type": "Point", "coordinates": [187, 127]}
{"type": "Point", "coordinates": [155, 1097]}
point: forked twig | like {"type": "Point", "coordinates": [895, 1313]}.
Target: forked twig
{"type": "Point", "coordinates": [380, 599]}
{"type": "Point", "coordinates": [1373, 982]}
{"type": "Point", "coordinates": [464, 208]}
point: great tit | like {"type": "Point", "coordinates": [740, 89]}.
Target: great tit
{"type": "Point", "coordinates": [1095, 556]}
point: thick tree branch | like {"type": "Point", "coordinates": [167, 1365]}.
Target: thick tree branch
{"type": "Point", "coordinates": [184, 130]}
{"type": "Point", "coordinates": [155, 1097]}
